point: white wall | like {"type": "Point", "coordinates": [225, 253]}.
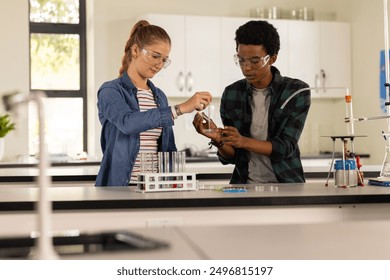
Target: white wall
{"type": "Point", "coordinates": [113, 21]}
{"type": "Point", "coordinates": [14, 68]}
{"type": "Point", "coordinates": [366, 18]}
{"type": "Point", "coordinates": [368, 39]}
{"type": "Point", "coordinates": [109, 24]}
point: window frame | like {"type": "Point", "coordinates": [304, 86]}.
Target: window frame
{"type": "Point", "coordinates": [67, 28]}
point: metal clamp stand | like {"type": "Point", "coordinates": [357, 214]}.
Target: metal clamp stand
{"type": "Point", "coordinates": [344, 146]}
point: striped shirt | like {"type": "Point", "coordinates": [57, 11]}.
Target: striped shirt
{"type": "Point", "coordinates": [148, 138]}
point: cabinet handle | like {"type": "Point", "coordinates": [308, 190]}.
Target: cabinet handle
{"type": "Point", "coordinates": [189, 81]}
{"type": "Point", "coordinates": [317, 83]}
{"type": "Point", "coordinates": [323, 80]}
{"type": "Point", "coordinates": [180, 81]}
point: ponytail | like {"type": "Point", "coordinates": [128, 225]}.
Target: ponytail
{"type": "Point", "coordinates": [142, 34]}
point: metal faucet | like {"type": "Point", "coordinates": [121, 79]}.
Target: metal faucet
{"type": "Point", "coordinates": [44, 249]}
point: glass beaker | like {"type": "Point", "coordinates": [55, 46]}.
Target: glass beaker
{"type": "Point", "coordinates": [345, 174]}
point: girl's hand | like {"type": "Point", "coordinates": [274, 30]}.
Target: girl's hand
{"type": "Point", "coordinates": [199, 101]}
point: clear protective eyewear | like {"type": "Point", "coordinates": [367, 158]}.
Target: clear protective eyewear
{"type": "Point", "coordinates": [255, 62]}
{"type": "Point", "coordinates": [155, 58]}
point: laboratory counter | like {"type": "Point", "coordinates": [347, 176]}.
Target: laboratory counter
{"type": "Point", "coordinates": [98, 198]}
{"type": "Point", "coordinates": [210, 205]}
{"type": "Point", "coordinates": [87, 171]}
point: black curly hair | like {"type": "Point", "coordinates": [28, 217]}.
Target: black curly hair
{"type": "Point", "coordinates": [259, 32]}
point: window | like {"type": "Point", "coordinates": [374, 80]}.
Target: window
{"type": "Point", "coordinates": [58, 67]}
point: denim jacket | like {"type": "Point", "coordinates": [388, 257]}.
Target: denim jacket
{"type": "Point", "coordinates": [122, 122]}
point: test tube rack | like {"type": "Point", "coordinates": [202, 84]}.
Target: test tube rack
{"type": "Point", "coordinates": [163, 182]}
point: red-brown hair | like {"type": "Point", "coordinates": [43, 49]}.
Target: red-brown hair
{"type": "Point", "coordinates": [142, 34]}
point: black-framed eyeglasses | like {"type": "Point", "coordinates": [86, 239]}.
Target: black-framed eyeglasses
{"type": "Point", "coordinates": [255, 61]}
{"type": "Point", "coordinates": [155, 58]}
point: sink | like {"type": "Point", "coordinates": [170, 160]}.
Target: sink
{"type": "Point", "coordinates": [20, 247]}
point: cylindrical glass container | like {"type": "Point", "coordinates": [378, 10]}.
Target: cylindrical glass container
{"type": "Point", "coordinates": [169, 162]}
{"type": "Point", "coordinates": [148, 162]}
{"type": "Point", "coordinates": [345, 173]}
{"type": "Point", "coordinates": [385, 172]}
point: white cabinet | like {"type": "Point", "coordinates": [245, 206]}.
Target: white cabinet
{"type": "Point", "coordinates": [195, 54]}
{"type": "Point", "coordinates": [304, 51]}
{"type": "Point", "coordinates": [229, 71]}
{"type": "Point", "coordinates": [320, 55]}
{"type": "Point", "coordinates": [335, 56]}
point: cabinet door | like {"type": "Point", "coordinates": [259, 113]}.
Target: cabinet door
{"type": "Point", "coordinates": [335, 56]}
{"type": "Point", "coordinates": [283, 56]}
{"type": "Point", "coordinates": [304, 46]}
{"type": "Point", "coordinates": [172, 79]}
{"type": "Point", "coordinates": [202, 70]}
{"type": "Point", "coordinates": [320, 55]}
{"type": "Point", "coordinates": [229, 71]}
{"type": "Point", "coordinates": [195, 55]}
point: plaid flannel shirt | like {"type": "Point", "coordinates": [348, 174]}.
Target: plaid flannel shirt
{"type": "Point", "coordinates": [285, 125]}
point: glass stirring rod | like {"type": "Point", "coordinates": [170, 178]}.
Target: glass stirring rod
{"type": "Point", "coordinates": [209, 115]}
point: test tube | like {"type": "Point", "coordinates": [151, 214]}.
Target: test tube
{"type": "Point", "coordinates": [174, 166]}
{"type": "Point", "coordinates": [208, 119]}
{"type": "Point", "coordinates": [161, 162]}
{"type": "Point", "coordinates": [349, 114]}
{"type": "Point", "coordinates": [148, 162]}
{"type": "Point", "coordinates": [143, 164]}
{"type": "Point", "coordinates": [166, 162]}
{"type": "Point", "coordinates": [155, 162]}
{"type": "Point", "coordinates": [180, 161]}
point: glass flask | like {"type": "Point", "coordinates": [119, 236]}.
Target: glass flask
{"type": "Point", "coordinates": [385, 172]}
